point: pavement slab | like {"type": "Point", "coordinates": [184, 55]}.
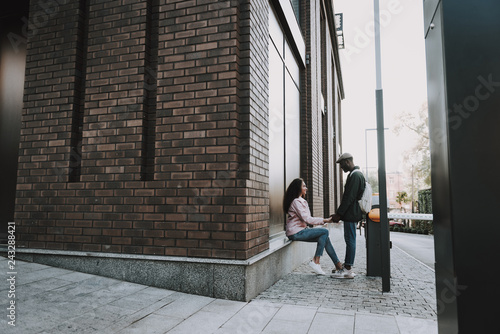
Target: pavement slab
{"type": "Point", "coordinates": [53, 300]}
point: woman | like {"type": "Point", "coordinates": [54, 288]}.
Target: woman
{"type": "Point", "coordinates": [298, 217]}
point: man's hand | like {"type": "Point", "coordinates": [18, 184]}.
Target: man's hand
{"type": "Point", "coordinates": [335, 217]}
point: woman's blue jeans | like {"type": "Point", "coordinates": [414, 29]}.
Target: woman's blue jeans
{"type": "Point", "coordinates": [319, 235]}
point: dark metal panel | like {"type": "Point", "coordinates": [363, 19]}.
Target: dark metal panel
{"type": "Point", "coordinates": [464, 95]}
{"type": "Point", "coordinates": [441, 194]}
{"type": "Point", "coordinates": [473, 93]}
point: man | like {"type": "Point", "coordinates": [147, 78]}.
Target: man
{"type": "Point", "coordinates": [349, 211]}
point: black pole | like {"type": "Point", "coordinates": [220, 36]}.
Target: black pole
{"type": "Point", "coordinates": [384, 227]}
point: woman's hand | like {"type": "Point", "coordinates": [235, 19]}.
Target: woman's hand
{"type": "Point", "coordinates": [327, 220]}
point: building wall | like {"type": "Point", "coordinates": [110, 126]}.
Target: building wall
{"type": "Point", "coordinates": [145, 127]}
{"type": "Point", "coordinates": [322, 90]}
{"type": "Point", "coordinates": [104, 79]}
{"type": "Point", "coordinates": [312, 147]}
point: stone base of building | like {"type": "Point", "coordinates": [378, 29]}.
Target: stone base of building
{"type": "Point", "coordinates": [224, 279]}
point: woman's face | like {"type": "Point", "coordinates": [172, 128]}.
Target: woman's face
{"type": "Point", "coordinates": [304, 189]}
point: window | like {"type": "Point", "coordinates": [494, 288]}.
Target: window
{"type": "Point", "coordinates": [296, 9]}
{"type": "Point", "coordinates": [284, 121]}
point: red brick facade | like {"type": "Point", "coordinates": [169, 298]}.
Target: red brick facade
{"type": "Point", "coordinates": [145, 128]}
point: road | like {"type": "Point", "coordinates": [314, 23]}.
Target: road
{"type": "Point", "coordinates": [419, 246]}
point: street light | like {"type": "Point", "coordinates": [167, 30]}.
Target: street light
{"type": "Point", "coordinates": [384, 224]}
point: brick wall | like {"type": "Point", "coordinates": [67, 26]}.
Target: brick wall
{"type": "Point", "coordinates": [139, 116]}
{"type": "Point", "coordinates": [306, 168]}
{"type": "Point", "coordinates": [145, 128]}
{"type": "Point", "coordinates": [311, 137]}
{"type": "Point", "coordinates": [315, 109]}
{"type": "Point", "coordinates": [329, 142]}
{"type": "Point", "coordinates": [317, 139]}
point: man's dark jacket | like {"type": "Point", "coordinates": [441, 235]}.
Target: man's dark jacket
{"type": "Point", "coordinates": [349, 209]}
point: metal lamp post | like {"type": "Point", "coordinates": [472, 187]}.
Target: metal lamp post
{"type": "Point", "coordinates": [384, 230]}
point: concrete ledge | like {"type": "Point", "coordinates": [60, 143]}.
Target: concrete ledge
{"type": "Point", "coordinates": [224, 279]}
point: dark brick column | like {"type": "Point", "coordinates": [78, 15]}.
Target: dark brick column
{"type": "Point", "coordinates": [115, 96]}
{"type": "Point", "coordinates": [254, 115]}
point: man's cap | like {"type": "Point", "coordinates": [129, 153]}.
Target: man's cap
{"type": "Point", "coordinates": [343, 157]}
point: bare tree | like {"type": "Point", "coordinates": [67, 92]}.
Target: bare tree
{"type": "Point", "coordinates": [418, 156]}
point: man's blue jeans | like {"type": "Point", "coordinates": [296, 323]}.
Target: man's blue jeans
{"type": "Point", "coordinates": [319, 235]}
{"type": "Point", "coordinates": [350, 242]}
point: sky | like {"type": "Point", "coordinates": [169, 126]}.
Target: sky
{"type": "Point", "coordinates": [403, 76]}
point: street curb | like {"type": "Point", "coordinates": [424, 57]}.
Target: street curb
{"type": "Point", "coordinates": [432, 269]}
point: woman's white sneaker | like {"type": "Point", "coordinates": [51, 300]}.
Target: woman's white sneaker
{"type": "Point", "coordinates": [317, 268]}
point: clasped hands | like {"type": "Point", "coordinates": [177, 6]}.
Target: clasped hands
{"type": "Point", "coordinates": [335, 217]}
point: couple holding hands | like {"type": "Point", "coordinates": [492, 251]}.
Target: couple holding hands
{"type": "Point", "coordinates": [299, 218]}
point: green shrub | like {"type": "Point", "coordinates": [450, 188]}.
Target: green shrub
{"type": "Point", "coordinates": [425, 206]}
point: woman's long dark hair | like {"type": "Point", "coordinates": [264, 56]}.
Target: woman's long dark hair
{"type": "Point", "coordinates": [292, 192]}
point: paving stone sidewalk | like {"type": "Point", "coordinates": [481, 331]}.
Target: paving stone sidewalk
{"type": "Point", "coordinates": [412, 285]}
{"type": "Point", "coordinates": [54, 300]}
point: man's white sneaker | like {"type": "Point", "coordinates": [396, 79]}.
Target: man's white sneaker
{"type": "Point", "coordinates": [349, 273]}
{"type": "Point", "coordinates": [317, 268]}
{"type": "Point", "coordinates": [342, 273]}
